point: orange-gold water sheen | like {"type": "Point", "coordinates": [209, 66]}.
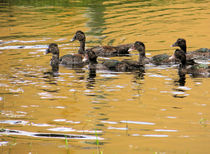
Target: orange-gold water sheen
{"type": "Point", "coordinates": [133, 113]}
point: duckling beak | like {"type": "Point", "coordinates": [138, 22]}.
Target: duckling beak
{"type": "Point", "coordinates": [174, 45]}
{"type": "Point", "coordinates": [73, 39]}
{"type": "Point", "coordinates": [172, 57]}
{"type": "Point", "coordinates": [47, 51]}
{"type": "Point", "coordinates": [132, 48]}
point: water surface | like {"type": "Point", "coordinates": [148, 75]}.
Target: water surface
{"type": "Point", "coordinates": [153, 112]}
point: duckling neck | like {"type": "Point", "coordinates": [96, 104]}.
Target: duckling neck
{"type": "Point", "coordinates": [93, 62]}
{"type": "Point", "coordinates": [141, 57]}
{"type": "Point", "coordinates": [55, 56]}
{"type": "Point", "coordinates": [183, 63]}
{"type": "Point", "coordinates": [82, 47]}
{"type": "Point", "coordinates": [55, 62]}
{"type": "Point", "coordinates": [184, 48]}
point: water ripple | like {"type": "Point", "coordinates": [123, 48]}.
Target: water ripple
{"type": "Point", "coordinates": [137, 122]}
{"type": "Point", "coordinates": [48, 135]}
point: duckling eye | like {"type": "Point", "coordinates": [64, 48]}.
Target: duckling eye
{"type": "Point", "coordinates": [78, 36]}
{"type": "Point", "coordinates": [137, 44]}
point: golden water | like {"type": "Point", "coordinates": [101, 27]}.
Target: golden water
{"type": "Point", "coordinates": [127, 112]}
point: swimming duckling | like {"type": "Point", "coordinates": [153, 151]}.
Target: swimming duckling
{"type": "Point", "coordinates": [196, 70]}
{"type": "Point", "coordinates": [157, 59]}
{"type": "Point", "coordinates": [104, 51]}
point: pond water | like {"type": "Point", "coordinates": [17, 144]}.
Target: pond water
{"type": "Point", "coordinates": [111, 112]}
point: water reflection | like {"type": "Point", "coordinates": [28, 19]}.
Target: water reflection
{"type": "Point", "coordinates": [138, 104]}
{"type": "Point", "coordinates": [180, 91]}
{"type": "Point", "coordinates": [181, 81]}
{"type": "Point", "coordinates": [95, 12]}
{"type": "Point", "coordinates": [52, 73]}
{"type": "Point", "coordinates": [139, 75]}
{"type": "Point", "coordinates": [91, 76]}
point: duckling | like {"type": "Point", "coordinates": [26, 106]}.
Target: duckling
{"type": "Point", "coordinates": [157, 59]}
{"type": "Point", "coordinates": [202, 53]}
{"type": "Point", "coordinates": [54, 62]}
{"type": "Point", "coordinates": [75, 59]}
{"type": "Point", "coordinates": [104, 51]}
{"type": "Point", "coordinates": [197, 70]}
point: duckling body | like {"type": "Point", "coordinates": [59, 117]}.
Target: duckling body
{"type": "Point", "coordinates": [75, 59]}
{"type": "Point", "coordinates": [202, 53]}
{"type": "Point", "coordinates": [103, 51]}
{"type": "Point", "coordinates": [121, 66]}
{"type": "Point", "coordinates": [160, 59]}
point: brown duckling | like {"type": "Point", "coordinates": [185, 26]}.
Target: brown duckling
{"type": "Point", "coordinates": [69, 59]}
{"type": "Point", "coordinates": [197, 70]}
{"type": "Point", "coordinates": [157, 59]}
{"type": "Point", "coordinates": [104, 51]}
{"type": "Point", "coordinates": [54, 62]}
{"type": "Point", "coordinates": [202, 53]}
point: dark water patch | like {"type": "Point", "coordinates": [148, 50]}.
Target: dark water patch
{"type": "Point", "coordinates": [8, 93]}
{"type": "Point", "coordinates": [90, 95]}
{"type": "Point", "coordinates": [94, 142]}
{"type": "Point", "coordinates": [97, 108]}
{"type": "Point", "coordinates": [100, 125]}
{"type": "Point", "coordinates": [175, 107]}
{"type": "Point", "coordinates": [14, 54]}
{"type": "Point", "coordinates": [30, 75]}
{"type": "Point", "coordinates": [181, 90]}
{"type": "Point", "coordinates": [60, 136]}
{"type": "Point", "coordinates": [179, 96]}
{"type": "Point", "coordinates": [51, 81]}
{"type": "Point", "coordinates": [103, 119]}
{"type": "Point", "coordinates": [51, 91]}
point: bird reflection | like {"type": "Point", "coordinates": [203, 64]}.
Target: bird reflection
{"type": "Point", "coordinates": [140, 73]}
{"type": "Point", "coordinates": [54, 72]}
{"type": "Point", "coordinates": [91, 76]}
{"type": "Point", "coordinates": [181, 81]}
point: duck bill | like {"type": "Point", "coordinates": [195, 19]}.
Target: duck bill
{"type": "Point", "coordinates": [73, 39]}
{"type": "Point", "coordinates": [174, 45]}
{"type": "Point", "coordinates": [172, 57]}
{"type": "Point", "coordinates": [47, 51]}
{"type": "Point", "coordinates": [132, 48]}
